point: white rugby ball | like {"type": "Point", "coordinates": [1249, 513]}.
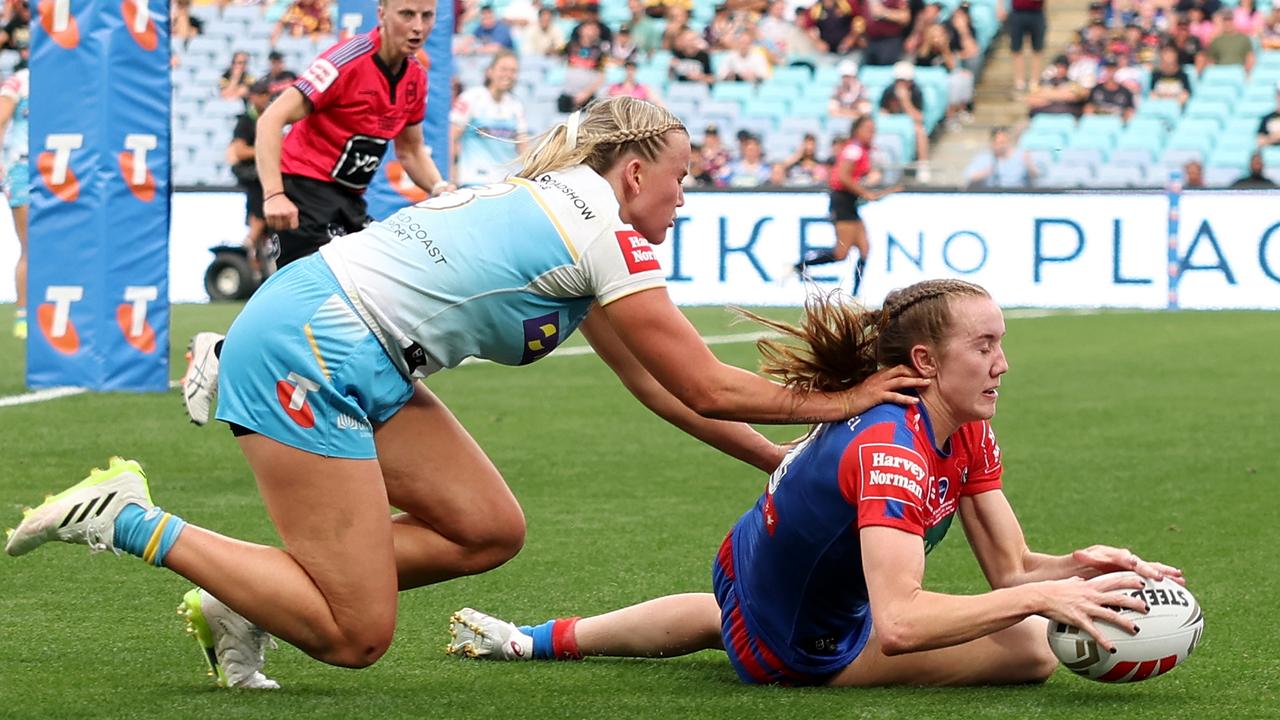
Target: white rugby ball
{"type": "Point", "coordinates": [1167, 635]}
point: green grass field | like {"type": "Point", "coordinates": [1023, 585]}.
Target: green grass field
{"type": "Point", "coordinates": [1157, 431]}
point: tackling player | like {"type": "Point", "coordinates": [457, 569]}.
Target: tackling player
{"type": "Point", "coordinates": [353, 100]}
{"type": "Point", "coordinates": [820, 583]}
{"type": "Point", "coordinates": [321, 394]}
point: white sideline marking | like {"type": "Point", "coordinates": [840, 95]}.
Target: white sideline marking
{"type": "Point", "coordinates": [60, 392]}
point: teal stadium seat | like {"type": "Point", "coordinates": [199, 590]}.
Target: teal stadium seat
{"type": "Point", "coordinates": [739, 92]}
{"type": "Point", "coordinates": [1219, 93]}
{"type": "Point", "coordinates": [775, 90]}
{"type": "Point", "coordinates": [1208, 110]}
{"type": "Point", "coordinates": [1255, 108]}
{"type": "Point", "coordinates": [793, 75]}
{"type": "Point", "coordinates": [1271, 156]}
{"type": "Point", "coordinates": [1232, 157]}
{"type": "Point", "coordinates": [1109, 125]}
{"type": "Point", "coordinates": [1132, 156]}
{"type": "Point", "coordinates": [1167, 110]}
{"type": "Point", "coordinates": [1060, 122]}
{"type": "Point", "coordinates": [1223, 75]}
{"type": "Point", "coordinates": [810, 106]}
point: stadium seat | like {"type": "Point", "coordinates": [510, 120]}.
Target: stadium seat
{"type": "Point", "coordinates": [774, 110]}
{"type": "Point", "coordinates": [1091, 140]}
{"type": "Point", "coordinates": [1221, 176]}
{"type": "Point", "coordinates": [881, 75]}
{"type": "Point", "coordinates": [1197, 126]}
{"type": "Point", "coordinates": [802, 124]}
{"type": "Point", "coordinates": [794, 75]}
{"type": "Point", "coordinates": [1081, 156]}
{"type": "Point", "coordinates": [727, 108]}
{"type": "Point", "coordinates": [1267, 59]}
{"type": "Point", "coordinates": [1271, 156]}
{"type": "Point", "coordinates": [1236, 157]}
{"type": "Point", "coordinates": [1060, 122]}
{"type": "Point", "coordinates": [773, 90]}
{"type": "Point", "coordinates": [1179, 156]}
{"type": "Point", "coordinates": [1132, 156]}
{"type": "Point", "coordinates": [693, 91]}
{"type": "Point", "coordinates": [740, 92]}
{"type": "Point", "coordinates": [1220, 93]}
{"type": "Point", "coordinates": [1255, 108]}
{"type": "Point", "coordinates": [810, 106]}
{"type": "Point", "coordinates": [1065, 176]}
{"type": "Point", "coordinates": [1223, 75]}
{"type": "Point", "coordinates": [1158, 174]}
{"type": "Point", "coordinates": [1112, 176]}
{"type": "Point", "coordinates": [1109, 125]}
{"type": "Point", "coordinates": [1167, 110]}
{"type": "Point", "coordinates": [1213, 109]}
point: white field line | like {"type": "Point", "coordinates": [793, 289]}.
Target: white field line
{"type": "Point", "coordinates": [48, 394]}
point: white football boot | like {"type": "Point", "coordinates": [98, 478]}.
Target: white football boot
{"type": "Point", "coordinates": [234, 648]}
{"type": "Point", "coordinates": [476, 635]}
{"type": "Point", "coordinates": [86, 512]}
{"type": "Point", "coordinates": [200, 381]}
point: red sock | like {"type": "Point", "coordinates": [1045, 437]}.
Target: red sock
{"type": "Point", "coordinates": [564, 641]}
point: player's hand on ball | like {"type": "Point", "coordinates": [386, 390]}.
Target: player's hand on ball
{"type": "Point", "coordinates": [280, 212]}
{"type": "Point", "coordinates": [1079, 602]}
{"type": "Point", "coordinates": [1105, 559]}
{"type": "Point", "coordinates": [884, 387]}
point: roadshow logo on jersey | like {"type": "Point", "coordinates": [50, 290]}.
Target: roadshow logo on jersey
{"type": "Point", "coordinates": [137, 19]}
{"type": "Point", "coordinates": [58, 22]}
{"type": "Point", "coordinates": [131, 316]}
{"type": "Point", "coordinates": [636, 251]}
{"type": "Point", "coordinates": [541, 336]}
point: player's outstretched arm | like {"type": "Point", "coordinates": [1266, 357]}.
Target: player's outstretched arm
{"type": "Point", "coordinates": [416, 160]}
{"type": "Point", "coordinates": [735, 439]}
{"type": "Point", "coordinates": [670, 349]}
{"type": "Point", "coordinates": [1001, 549]}
{"type": "Point", "coordinates": [908, 618]}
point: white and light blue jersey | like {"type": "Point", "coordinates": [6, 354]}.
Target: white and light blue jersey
{"type": "Point", "coordinates": [487, 147]}
{"type": "Point", "coordinates": [503, 272]}
{"type": "Point", "coordinates": [18, 88]}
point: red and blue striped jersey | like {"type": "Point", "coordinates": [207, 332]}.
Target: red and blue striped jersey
{"type": "Point", "coordinates": [797, 556]}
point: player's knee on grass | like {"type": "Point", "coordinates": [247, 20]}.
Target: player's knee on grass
{"type": "Point", "coordinates": [361, 646]}
{"type": "Point", "coordinates": [1032, 661]}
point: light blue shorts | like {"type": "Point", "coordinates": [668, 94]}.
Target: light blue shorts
{"type": "Point", "coordinates": [299, 366]}
{"type": "Point", "coordinates": [17, 184]}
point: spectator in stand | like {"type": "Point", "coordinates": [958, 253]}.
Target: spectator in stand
{"type": "Point", "coordinates": [903, 97]}
{"type": "Point", "coordinates": [584, 76]}
{"type": "Point", "coordinates": [690, 61]}
{"type": "Point", "coordinates": [1057, 93]}
{"type": "Point", "coordinates": [935, 51]}
{"type": "Point", "coordinates": [278, 76]}
{"type": "Point", "coordinates": [304, 18]}
{"type": "Point", "coordinates": [1169, 80]}
{"type": "Point", "coordinates": [1083, 67]}
{"type": "Point", "coordinates": [1229, 46]}
{"type": "Point", "coordinates": [1270, 35]}
{"type": "Point", "coordinates": [1255, 180]}
{"type": "Point", "coordinates": [1201, 25]}
{"type": "Point", "coordinates": [698, 176]}
{"type": "Point", "coordinates": [1094, 41]}
{"type": "Point", "coordinates": [1206, 7]}
{"type": "Point", "coordinates": [235, 81]}
{"type": "Point", "coordinates": [631, 87]}
{"type": "Point", "coordinates": [487, 125]}
{"type": "Point", "coordinates": [519, 16]}
{"type": "Point", "coordinates": [677, 23]}
{"type": "Point", "coordinates": [16, 33]}
{"type": "Point", "coordinates": [1002, 166]}
{"type": "Point", "coordinates": [745, 62]}
{"type": "Point", "coordinates": [490, 36]}
{"type": "Point", "coordinates": [1269, 128]}
{"type": "Point", "coordinates": [775, 29]}
{"type": "Point", "coordinates": [240, 156]}
{"type": "Point", "coordinates": [544, 37]}
{"type": "Point", "coordinates": [578, 9]}
{"type": "Point", "coordinates": [719, 33]}
{"type": "Point", "coordinates": [646, 30]}
{"type": "Point", "coordinates": [606, 35]}
{"type": "Point", "coordinates": [887, 23]}
{"type": "Point", "coordinates": [834, 26]}
{"type": "Point", "coordinates": [1190, 49]}
{"type": "Point", "coordinates": [1026, 20]}
{"type": "Point", "coordinates": [622, 48]}
{"type": "Point", "coordinates": [1131, 76]}
{"type": "Point", "coordinates": [1246, 18]}
{"type": "Point", "coordinates": [182, 26]}
{"type": "Point", "coordinates": [750, 170]}
{"type": "Point", "coordinates": [1193, 176]}
{"type": "Point", "coordinates": [1109, 97]}
{"type": "Point", "coordinates": [849, 100]}
{"type": "Point", "coordinates": [963, 42]}
{"type": "Point", "coordinates": [804, 168]}
{"type": "Point", "coordinates": [715, 156]}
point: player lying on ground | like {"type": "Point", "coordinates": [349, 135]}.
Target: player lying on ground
{"type": "Point", "coordinates": [318, 385]}
{"type": "Point", "coordinates": [820, 582]}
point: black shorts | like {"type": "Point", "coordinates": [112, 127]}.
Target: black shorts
{"type": "Point", "coordinates": [252, 200]}
{"type": "Point", "coordinates": [844, 206]}
{"type": "Point", "coordinates": [325, 210]}
{"type": "Point", "coordinates": [1026, 22]}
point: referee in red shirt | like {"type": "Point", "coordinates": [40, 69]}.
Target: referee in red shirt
{"type": "Point", "coordinates": [355, 98]}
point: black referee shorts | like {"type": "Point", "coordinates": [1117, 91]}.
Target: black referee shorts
{"type": "Point", "coordinates": [844, 206]}
{"type": "Point", "coordinates": [325, 210]}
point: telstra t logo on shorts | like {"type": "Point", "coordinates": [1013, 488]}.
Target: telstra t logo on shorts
{"type": "Point", "coordinates": [133, 165]}
{"type": "Point", "coordinates": [54, 317]}
{"type": "Point", "coordinates": [131, 316]}
{"type": "Point", "coordinates": [541, 336]}
{"type": "Point", "coordinates": [59, 23]}
{"type": "Point", "coordinates": [138, 21]}
{"type": "Point", "coordinates": [292, 394]}
{"type": "Point", "coordinates": [55, 165]}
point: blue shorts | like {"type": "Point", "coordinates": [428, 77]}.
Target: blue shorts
{"type": "Point", "coordinates": [17, 184]}
{"type": "Point", "coordinates": [300, 366]}
{"type": "Point", "coordinates": [755, 662]}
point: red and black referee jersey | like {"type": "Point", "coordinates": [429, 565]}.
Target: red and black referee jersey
{"type": "Point", "coordinates": [357, 106]}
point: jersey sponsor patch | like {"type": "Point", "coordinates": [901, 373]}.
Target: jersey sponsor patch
{"type": "Point", "coordinates": [892, 473]}
{"type": "Point", "coordinates": [359, 161]}
{"type": "Point", "coordinates": [637, 252]}
{"type": "Point", "coordinates": [321, 74]}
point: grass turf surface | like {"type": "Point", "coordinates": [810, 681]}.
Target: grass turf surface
{"type": "Point", "coordinates": [1155, 431]}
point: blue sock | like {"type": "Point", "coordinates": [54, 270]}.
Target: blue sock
{"type": "Point", "coordinates": [147, 533]}
{"type": "Point", "coordinates": [543, 649]}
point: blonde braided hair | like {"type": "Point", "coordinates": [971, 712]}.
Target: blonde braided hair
{"type": "Point", "coordinates": [607, 130]}
{"type": "Point", "coordinates": [843, 343]}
